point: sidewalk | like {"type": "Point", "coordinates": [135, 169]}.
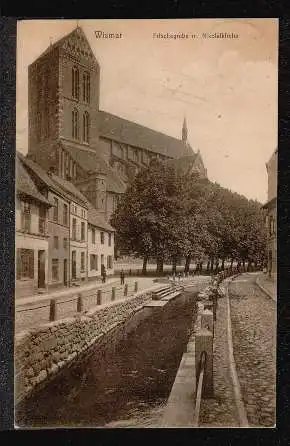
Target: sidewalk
{"type": "Point", "coordinates": [143, 283]}
{"type": "Point", "coordinates": [268, 285]}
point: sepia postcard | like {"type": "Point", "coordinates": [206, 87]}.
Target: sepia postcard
{"type": "Point", "coordinates": [145, 245]}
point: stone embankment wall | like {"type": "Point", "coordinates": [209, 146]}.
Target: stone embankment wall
{"type": "Point", "coordinates": [41, 353]}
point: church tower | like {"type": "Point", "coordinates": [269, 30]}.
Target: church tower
{"type": "Point", "coordinates": [184, 131]}
{"type": "Point", "coordinates": [64, 84]}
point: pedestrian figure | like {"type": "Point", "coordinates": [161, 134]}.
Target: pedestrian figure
{"type": "Point", "coordinates": [122, 277]}
{"type": "Point", "coordinates": [103, 272]}
{"type": "Point", "coordinates": [179, 277]}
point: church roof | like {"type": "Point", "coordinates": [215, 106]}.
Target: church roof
{"type": "Point", "coordinates": [87, 159]}
{"type": "Point", "coordinates": [128, 132]}
{"type": "Point", "coordinates": [25, 184]}
{"type": "Point", "coordinates": [185, 163]}
{"type": "Point", "coordinates": [96, 219]}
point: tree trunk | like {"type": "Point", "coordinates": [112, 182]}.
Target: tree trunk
{"type": "Point", "coordinates": [174, 262]}
{"type": "Point", "coordinates": [232, 262]}
{"type": "Point", "coordinates": [159, 269]}
{"type": "Point", "coordinates": [144, 267]}
{"type": "Point", "coordinates": [223, 264]}
{"type": "Point", "coordinates": [211, 264]}
{"type": "Point", "coordinates": [207, 266]}
{"type": "Point", "coordinates": [216, 265]}
{"type": "Point", "coordinates": [187, 264]}
{"type": "Point", "coordinates": [200, 267]}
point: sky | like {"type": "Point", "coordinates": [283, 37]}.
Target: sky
{"type": "Point", "coordinates": [226, 88]}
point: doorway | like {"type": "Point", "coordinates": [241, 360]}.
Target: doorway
{"type": "Point", "coordinates": [65, 272]}
{"type": "Point", "coordinates": [41, 269]}
{"type": "Point", "coordinates": [73, 265]}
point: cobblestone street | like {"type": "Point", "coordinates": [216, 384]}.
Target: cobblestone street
{"type": "Point", "coordinates": [220, 411]}
{"type": "Point", "coordinates": [254, 341]}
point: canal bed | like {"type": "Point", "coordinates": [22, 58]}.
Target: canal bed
{"type": "Point", "coordinates": [126, 387]}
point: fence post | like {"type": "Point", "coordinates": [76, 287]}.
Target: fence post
{"type": "Point", "coordinates": [204, 343]}
{"type": "Point", "coordinates": [99, 297]}
{"type": "Point", "coordinates": [80, 303]}
{"type": "Point", "coordinates": [136, 287]}
{"type": "Point", "coordinates": [113, 293]}
{"type": "Point", "coordinates": [53, 310]}
{"type": "Point", "coordinates": [126, 290]}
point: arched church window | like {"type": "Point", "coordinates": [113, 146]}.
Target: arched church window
{"type": "Point", "coordinates": [86, 127]}
{"type": "Point", "coordinates": [75, 83]}
{"type": "Point", "coordinates": [86, 87]}
{"type": "Point", "coordinates": [75, 124]}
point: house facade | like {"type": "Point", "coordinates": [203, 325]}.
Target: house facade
{"type": "Point", "coordinates": [96, 150]}
{"type": "Point", "coordinates": [271, 215]}
{"type": "Point", "coordinates": [100, 245]}
{"type": "Point", "coordinates": [31, 235]}
{"type": "Point", "coordinates": [78, 230]}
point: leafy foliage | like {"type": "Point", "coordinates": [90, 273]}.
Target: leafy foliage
{"type": "Point", "coordinates": [167, 215]}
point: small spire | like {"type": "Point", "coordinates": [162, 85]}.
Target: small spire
{"type": "Point", "coordinates": [78, 25]}
{"type": "Point", "coordinates": [184, 130]}
{"type": "Point", "coordinates": [50, 41]}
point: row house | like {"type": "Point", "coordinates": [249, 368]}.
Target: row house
{"type": "Point", "coordinates": [271, 214]}
{"type": "Point", "coordinates": [78, 217]}
{"type": "Point", "coordinates": [67, 229]}
{"type": "Point", "coordinates": [32, 239]}
{"type": "Point", "coordinates": [100, 244]}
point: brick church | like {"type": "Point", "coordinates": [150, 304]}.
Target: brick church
{"type": "Point", "coordinates": [70, 136]}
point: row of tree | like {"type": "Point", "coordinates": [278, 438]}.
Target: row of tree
{"type": "Point", "coordinates": [168, 215]}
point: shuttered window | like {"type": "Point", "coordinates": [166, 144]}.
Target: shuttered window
{"type": "Point", "coordinates": [25, 264]}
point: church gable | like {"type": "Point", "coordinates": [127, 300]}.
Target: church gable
{"type": "Point", "coordinates": [77, 45]}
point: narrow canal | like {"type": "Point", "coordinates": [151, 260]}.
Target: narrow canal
{"type": "Point", "coordinates": [128, 387]}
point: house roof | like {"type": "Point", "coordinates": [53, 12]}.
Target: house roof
{"type": "Point", "coordinates": [25, 184]}
{"type": "Point", "coordinates": [43, 176]}
{"type": "Point", "coordinates": [128, 132]}
{"type": "Point", "coordinates": [270, 204]}
{"type": "Point", "coordinates": [71, 189]}
{"type": "Point", "coordinates": [96, 219]}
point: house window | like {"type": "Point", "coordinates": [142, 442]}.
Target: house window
{"type": "Point", "coordinates": [109, 239]}
{"type": "Point", "coordinates": [94, 261]}
{"type": "Point", "coordinates": [54, 269]}
{"type": "Point", "coordinates": [102, 238]}
{"type": "Point", "coordinates": [86, 127]}
{"type": "Point", "coordinates": [25, 264]}
{"type": "Point", "coordinates": [75, 83]}
{"type": "Point", "coordinates": [75, 124]}
{"type": "Point", "coordinates": [74, 229]}
{"type": "Point", "coordinates": [65, 214]}
{"type": "Point", "coordinates": [86, 87]}
{"type": "Point", "coordinates": [25, 216]}
{"type": "Point", "coordinates": [135, 155]}
{"type": "Point", "coordinates": [42, 221]}
{"type": "Point", "coordinates": [83, 237]}
{"type": "Point", "coordinates": [55, 242]}
{"type": "Point", "coordinates": [102, 259]}
{"type": "Point", "coordinates": [65, 244]}
{"type": "Point", "coordinates": [55, 209]}
{"type": "Point", "coordinates": [109, 262]}
{"type": "Point", "coordinates": [93, 236]}
{"type": "Point", "coordinates": [82, 261]}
